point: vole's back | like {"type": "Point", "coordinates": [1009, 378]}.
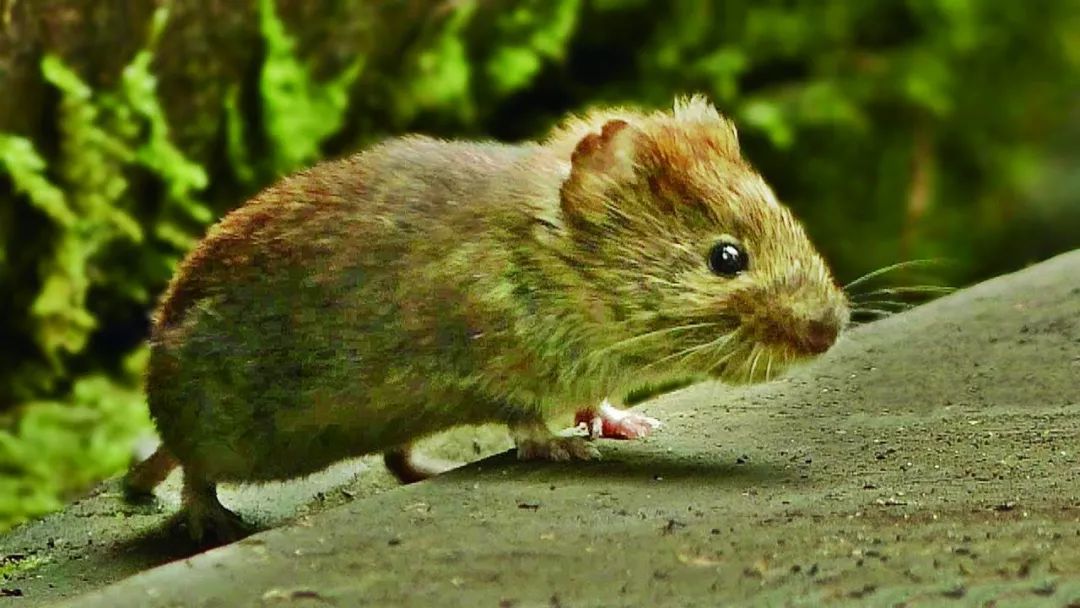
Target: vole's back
{"type": "Point", "coordinates": [291, 337]}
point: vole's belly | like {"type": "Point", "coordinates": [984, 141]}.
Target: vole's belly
{"type": "Point", "coordinates": [241, 432]}
{"type": "Point", "coordinates": [251, 394]}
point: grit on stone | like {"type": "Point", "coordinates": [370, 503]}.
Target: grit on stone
{"type": "Point", "coordinates": [929, 458]}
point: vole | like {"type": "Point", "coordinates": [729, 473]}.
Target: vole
{"type": "Point", "coordinates": [365, 303]}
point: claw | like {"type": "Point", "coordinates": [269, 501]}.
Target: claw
{"type": "Point", "coordinates": [216, 526]}
{"type": "Point", "coordinates": [208, 521]}
{"type": "Point", "coordinates": [536, 442]}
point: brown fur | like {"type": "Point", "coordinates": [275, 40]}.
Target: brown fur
{"type": "Point", "coordinates": [364, 303]}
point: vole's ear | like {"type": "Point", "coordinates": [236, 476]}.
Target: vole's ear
{"type": "Point", "coordinates": [599, 160]}
{"type": "Point", "coordinates": [604, 147]}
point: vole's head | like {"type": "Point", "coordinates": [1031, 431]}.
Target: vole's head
{"type": "Point", "coordinates": [693, 259]}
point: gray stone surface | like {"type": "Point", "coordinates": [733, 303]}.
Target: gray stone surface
{"type": "Point", "coordinates": [930, 458]}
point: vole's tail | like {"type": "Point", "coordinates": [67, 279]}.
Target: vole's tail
{"type": "Point", "coordinates": [141, 480]}
{"type": "Point", "coordinates": [409, 467]}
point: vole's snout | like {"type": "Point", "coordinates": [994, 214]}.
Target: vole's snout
{"type": "Point", "coordinates": [804, 333]}
{"type": "Point", "coordinates": [819, 335]}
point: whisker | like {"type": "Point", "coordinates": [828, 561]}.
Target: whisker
{"type": "Point", "coordinates": [687, 352]}
{"type": "Point", "coordinates": [651, 334]}
{"type": "Point", "coordinates": [753, 365]}
{"type": "Point", "coordinates": [901, 305]}
{"type": "Point", "coordinates": [906, 289]}
{"type": "Point", "coordinates": [881, 313]}
{"type": "Point", "coordinates": [880, 271]}
{"type": "Point", "coordinates": [723, 359]}
{"type": "Point", "coordinates": [746, 365]}
{"type": "Point", "coordinates": [682, 355]}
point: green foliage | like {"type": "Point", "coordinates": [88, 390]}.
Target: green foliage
{"type": "Point", "coordinates": [105, 137]}
{"type": "Point", "coordinates": [299, 113]}
{"type": "Point", "coordinates": [236, 148]}
{"type": "Point", "coordinates": [59, 447]}
{"type": "Point", "coordinates": [136, 105]}
{"type": "Point", "coordinates": [91, 172]}
{"type": "Point", "coordinates": [27, 170]}
{"type": "Point", "coordinates": [438, 74]}
{"type": "Point", "coordinates": [11, 565]}
{"type": "Point", "coordinates": [529, 35]}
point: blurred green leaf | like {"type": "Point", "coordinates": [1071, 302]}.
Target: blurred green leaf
{"type": "Point", "coordinates": [60, 447]}
{"type": "Point", "coordinates": [768, 117]}
{"type": "Point", "coordinates": [438, 74]}
{"type": "Point", "coordinates": [236, 138]}
{"type": "Point", "coordinates": [27, 170]}
{"type": "Point", "coordinates": [722, 68]}
{"type": "Point", "coordinates": [299, 113]}
{"type": "Point", "coordinates": [528, 35]}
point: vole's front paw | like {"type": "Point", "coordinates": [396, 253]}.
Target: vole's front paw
{"type": "Point", "coordinates": [610, 422]}
{"type": "Point", "coordinates": [557, 448]}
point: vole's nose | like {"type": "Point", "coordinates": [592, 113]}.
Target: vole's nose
{"type": "Point", "coordinates": [820, 334]}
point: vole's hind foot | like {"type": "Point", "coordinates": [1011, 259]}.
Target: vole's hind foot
{"type": "Point", "coordinates": [208, 521]}
{"type": "Point", "coordinates": [410, 467]}
{"type": "Point", "coordinates": [213, 526]}
{"type": "Point", "coordinates": [141, 479]}
{"type": "Point", "coordinates": [536, 442]}
{"type": "Point", "coordinates": [611, 422]}
{"type": "Point", "coordinates": [557, 448]}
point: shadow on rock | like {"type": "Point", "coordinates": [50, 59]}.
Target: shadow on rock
{"type": "Point", "coordinates": [168, 541]}
{"type": "Point", "coordinates": [626, 466]}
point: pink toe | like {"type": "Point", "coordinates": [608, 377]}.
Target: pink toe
{"type": "Point", "coordinates": [613, 423]}
{"type": "Point", "coordinates": [627, 428]}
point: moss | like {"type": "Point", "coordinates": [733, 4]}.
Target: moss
{"type": "Point", "coordinates": [137, 109]}
{"type": "Point", "coordinates": [27, 170]}
{"type": "Point", "coordinates": [64, 442]}
{"type": "Point", "coordinates": [299, 113]}
{"type": "Point", "coordinates": [529, 35]}
{"type": "Point", "coordinates": [59, 447]}
{"type": "Point", "coordinates": [438, 76]}
{"type": "Point", "coordinates": [12, 566]}
{"type": "Point", "coordinates": [103, 135]}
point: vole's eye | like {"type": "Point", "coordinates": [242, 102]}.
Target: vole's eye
{"type": "Point", "coordinates": [727, 259]}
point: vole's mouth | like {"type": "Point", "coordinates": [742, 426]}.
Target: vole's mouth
{"type": "Point", "coordinates": [742, 353]}
{"type": "Point", "coordinates": [800, 335]}
{"type": "Point", "coordinates": [766, 357]}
